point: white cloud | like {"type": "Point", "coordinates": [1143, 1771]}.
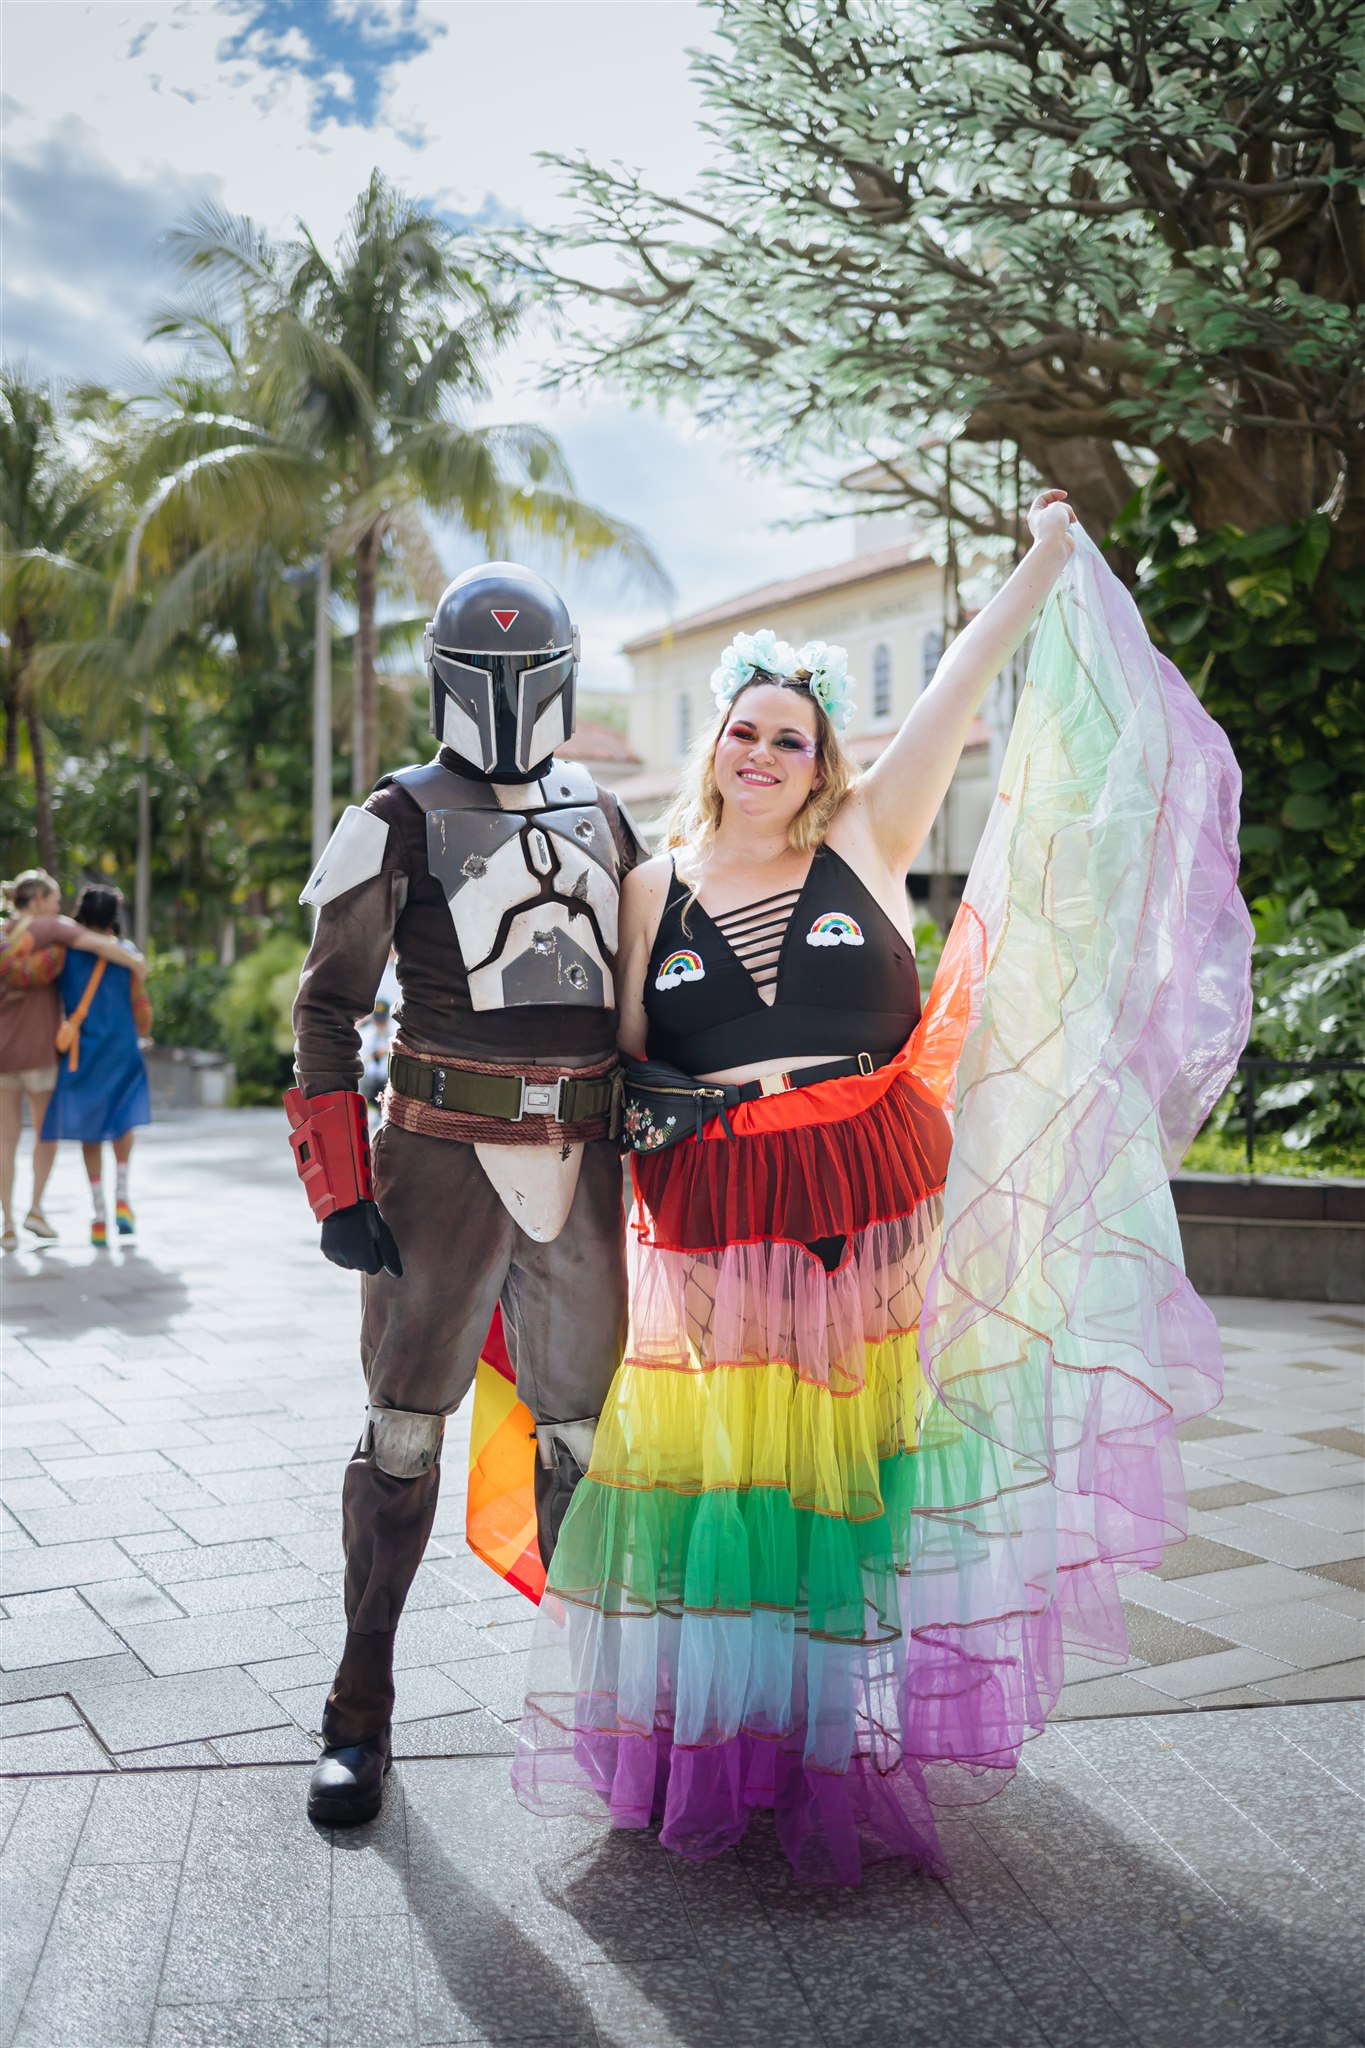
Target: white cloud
{"type": "Point", "coordinates": [122, 120]}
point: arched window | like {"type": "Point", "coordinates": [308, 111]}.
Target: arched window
{"type": "Point", "coordinates": [684, 722]}
{"type": "Point", "coordinates": [881, 681]}
{"type": "Point", "coordinates": [933, 653]}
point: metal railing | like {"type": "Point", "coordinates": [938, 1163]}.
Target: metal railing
{"type": "Point", "coordinates": [1250, 1067]}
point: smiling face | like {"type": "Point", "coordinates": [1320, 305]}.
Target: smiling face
{"type": "Point", "coordinates": [767, 756]}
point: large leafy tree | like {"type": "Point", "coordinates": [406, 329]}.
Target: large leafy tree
{"type": "Point", "coordinates": [342, 422]}
{"type": "Point", "coordinates": [1113, 244]}
{"type": "Point", "coordinates": [50, 525]}
{"type": "Point", "coordinates": [1105, 231]}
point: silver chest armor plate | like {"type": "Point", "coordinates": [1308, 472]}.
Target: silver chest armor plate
{"type": "Point", "coordinates": [531, 876]}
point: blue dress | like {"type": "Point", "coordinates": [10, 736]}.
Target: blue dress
{"type": "Point", "coordinates": [107, 1095]}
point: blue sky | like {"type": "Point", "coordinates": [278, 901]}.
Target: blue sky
{"type": "Point", "coordinates": [120, 117]}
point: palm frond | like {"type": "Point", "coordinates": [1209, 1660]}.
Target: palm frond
{"type": "Point", "coordinates": [582, 533]}
{"type": "Point", "coordinates": [229, 492]}
{"type": "Point", "coordinates": [227, 247]}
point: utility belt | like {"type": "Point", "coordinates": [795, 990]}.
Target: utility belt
{"type": "Point", "coordinates": [508, 1098]}
{"type": "Point", "coordinates": [662, 1104]}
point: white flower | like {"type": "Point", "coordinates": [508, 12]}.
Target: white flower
{"type": "Point", "coordinates": [830, 682]}
{"type": "Point", "coordinates": [747, 653]}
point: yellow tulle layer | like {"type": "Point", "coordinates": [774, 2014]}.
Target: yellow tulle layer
{"type": "Point", "coordinates": [728, 1427]}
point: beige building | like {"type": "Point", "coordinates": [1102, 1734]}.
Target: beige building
{"type": "Point", "coordinates": [886, 607]}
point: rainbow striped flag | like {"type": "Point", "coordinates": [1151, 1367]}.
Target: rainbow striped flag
{"type": "Point", "coordinates": [500, 1514]}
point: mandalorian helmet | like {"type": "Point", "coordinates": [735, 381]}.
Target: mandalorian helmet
{"type": "Point", "coordinates": [502, 658]}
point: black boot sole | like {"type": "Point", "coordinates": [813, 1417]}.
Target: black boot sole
{"type": "Point", "coordinates": [348, 1813]}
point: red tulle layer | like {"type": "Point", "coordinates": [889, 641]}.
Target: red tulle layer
{"type": "Point", "coordinates": [819, 1181]}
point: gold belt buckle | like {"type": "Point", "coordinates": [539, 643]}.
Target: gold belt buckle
{"type": "Point", "coordinates": [774, 1084]}
{"type": "Point", "coordinates": [866, 1065]}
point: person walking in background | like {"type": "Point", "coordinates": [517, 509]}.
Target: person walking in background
{"type": "Point", "coordinates": [34, 938]}
{"type": "Point", "coordinates": [102, 1091]}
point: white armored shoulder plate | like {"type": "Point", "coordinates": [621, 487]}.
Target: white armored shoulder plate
{"type": "Point", "coordinates": [354, 854]}
{"type": "Point", "coordinates": [568, 782]}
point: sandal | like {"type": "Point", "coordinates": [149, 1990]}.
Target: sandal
{"type": "Point", "coordinates": [38, 1224]}
{"type": "Point", "coordinates": [99, 1233]}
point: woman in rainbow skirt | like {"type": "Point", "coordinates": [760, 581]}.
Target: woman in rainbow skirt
{"type": "Point", "coordinates": [910, 1334]}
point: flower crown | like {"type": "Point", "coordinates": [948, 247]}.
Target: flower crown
{"type": "Point", "coordinates": [823, 669]}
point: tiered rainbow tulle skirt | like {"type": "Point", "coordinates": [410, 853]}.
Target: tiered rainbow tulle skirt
{"type": "Point", "coordinates": [908, 1354]}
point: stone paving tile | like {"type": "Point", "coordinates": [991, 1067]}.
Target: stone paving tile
{"type": "Point", "coordinates": [63, 1749]}
{"type": "Point", "coordinates": [131, 1600]}
{"type": "Point", "coordinates": [64, 1564]}
{"type": "Point", "coordinates": [1300, 1632]}
{"type": "Point", "coordinates": [74, 1524]}
{"type": "Point", "coordinates": [44, 1639]}
{"type": "Point", "coordinates": [422, 1695]}
{"type": "Point", "coordinates": [239, 1592]}
{"type": "Point", "coordinates": [1341, 1508]}
{"type": "Point", "coordinates": [33, 1870]}
{"type": "Point", "coordinates": [1287, 1542]}
{"type": "Point", "coordinates": [98, 1976]}
{"type": "Point", "coordinates": [56, 1679]}
{"type": "Point", "coordinates": [27, 1716]}
{"type": "Point", "coordinates": [243, 2023]}
{"type": "Point", "coordinates": [1255, 1585]}
{"type": "Point", "coordinates": [1194, 1675]}
{"type": "Point", "coordinates": [210, 1642]}
{"type": "Point", "coordinates": [151, 1712]}
{"type": "Point", "coordinates": [1331, 1682]}
{"type": "Point", "coordinates": [287, 1745]}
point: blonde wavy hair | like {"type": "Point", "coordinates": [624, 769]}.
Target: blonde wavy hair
{"type": "Point", "coordinates": [690, 824]}
{"type": "Point", "coordinates": [25, 889]}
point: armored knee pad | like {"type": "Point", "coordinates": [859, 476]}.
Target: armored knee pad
{"type": "Point", "coordinates": [563, 1453]}
{"type": "Point", "coordinates": [405, 1444]}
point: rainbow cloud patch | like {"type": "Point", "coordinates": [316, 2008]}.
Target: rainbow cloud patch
{"type": "Point", "coordinates": [680, 967]}
{"type": "Point", "coordinates": [835, 928]}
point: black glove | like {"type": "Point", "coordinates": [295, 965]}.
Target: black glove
{"type": "Point", "coordinates": [360, 1239]}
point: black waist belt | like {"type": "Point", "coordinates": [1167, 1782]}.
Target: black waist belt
{"type": "Point", "coordinates": [805, 1077]}
{"type": "Point", "coordinates": [664, 1105]}
{"type": "Point", "coordinates": [567, 1099]}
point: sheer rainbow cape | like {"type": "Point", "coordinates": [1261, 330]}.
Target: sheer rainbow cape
{"type": "Point", "coordinates": [840, 1528]}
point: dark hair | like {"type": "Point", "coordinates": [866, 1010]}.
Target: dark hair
{"type": "Point", "coordinates": [99, 908]}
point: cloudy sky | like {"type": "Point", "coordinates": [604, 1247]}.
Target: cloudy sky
{"type": "Point", "coordinates": [119, 118]}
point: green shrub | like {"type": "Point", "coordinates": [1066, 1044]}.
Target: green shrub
{"type": "Point", "coordinates": [187, 1001]}
{"type": "Point", "coordinates": [929, 943]}
{"type": "Point", "coordinates": [256, 1017]}
{"type": "Point", "coordinates": [1308, 990]}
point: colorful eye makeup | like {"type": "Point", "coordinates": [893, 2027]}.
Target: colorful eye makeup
{"type": "Point", "coordinates": [785, 742]}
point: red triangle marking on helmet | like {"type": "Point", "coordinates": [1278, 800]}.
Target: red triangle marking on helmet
{"type": "Point", "coordinates": [505, 619]}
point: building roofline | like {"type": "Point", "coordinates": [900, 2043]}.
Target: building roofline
{"type": "Point", "coordinates": [842, 576]}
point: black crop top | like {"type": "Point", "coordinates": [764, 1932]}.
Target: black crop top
{"type": "Point", "coordinates": [846, 981]}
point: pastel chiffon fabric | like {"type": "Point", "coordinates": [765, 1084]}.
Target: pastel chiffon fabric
{"type": "Point", "coordinates": [908, 1354]}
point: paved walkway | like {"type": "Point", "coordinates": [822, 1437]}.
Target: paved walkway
{"type": "Point", "coordinates": [176, 1421]}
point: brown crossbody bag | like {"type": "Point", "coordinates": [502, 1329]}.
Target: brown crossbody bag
{"type": "Point", "coordinates": [69, 1030]}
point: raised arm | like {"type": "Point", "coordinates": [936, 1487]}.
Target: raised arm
{"type": "Point", "coordinates": [901, 794]}
{"type": "Point", "coordinates": [106, 944]}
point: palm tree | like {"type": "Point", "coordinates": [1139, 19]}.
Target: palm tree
{"type": "Point", "coordinates": [341, 422]}
{"type": "Point", "coordinates": [49, 587]}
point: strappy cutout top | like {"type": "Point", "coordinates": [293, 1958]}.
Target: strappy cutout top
{"type": "Point", "coordinates": [844, 979]}
{"type": "Point", "coordinates": [755, 933]}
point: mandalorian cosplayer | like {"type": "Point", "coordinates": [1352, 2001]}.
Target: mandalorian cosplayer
{"type": "Point", "coordinates": [494, 871]}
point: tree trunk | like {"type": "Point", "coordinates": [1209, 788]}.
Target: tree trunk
{"type": "Point", "coordinates": [42, 795]}
{"type": "Point", "coordinates": [142, 873]}
{"type": "Point", "coordinates": [366, 749]}
{"type": "Point", "coordinates": [12, 729]}
{"type": "Point", "coordinates": [322, 710]}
